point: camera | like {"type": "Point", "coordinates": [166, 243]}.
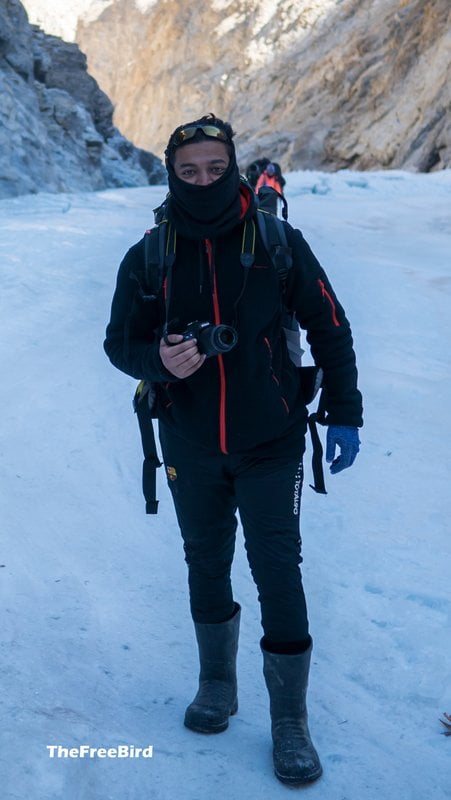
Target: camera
{"type": "Point", "coordinates": [212, 340]}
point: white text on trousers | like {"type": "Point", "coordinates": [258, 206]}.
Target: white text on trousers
{"type": "Point", "coordinates": [297, 489]}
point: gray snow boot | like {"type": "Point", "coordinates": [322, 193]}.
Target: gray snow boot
{"type": "Point", "coordinates": [216, 699]}
{"type": "Point", "coordinates": [295, 759]}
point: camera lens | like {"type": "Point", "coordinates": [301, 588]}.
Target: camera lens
{"type": "Point", "coordinates": [224, 338]}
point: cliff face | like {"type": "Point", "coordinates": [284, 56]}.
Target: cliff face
{"type": "Point", "coordinates": [314, 83]}
{"type": "Point", "coordinates": [56, 128]}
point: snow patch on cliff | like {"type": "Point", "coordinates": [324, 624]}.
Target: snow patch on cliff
{"type": "Point", "coordinates": [144, 5]}
{"type": "Point", "coordinates": [59, 18]}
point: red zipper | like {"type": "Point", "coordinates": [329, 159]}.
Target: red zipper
{"type": "Point", "coordinates": [273, 375]}
{"type": "Point", "coordinates": [222, 377]}
{"type": "Point", "coordinates": [325, 294]}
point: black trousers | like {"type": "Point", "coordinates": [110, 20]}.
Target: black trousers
{"type": "Point", "coordinates": [265, 487]}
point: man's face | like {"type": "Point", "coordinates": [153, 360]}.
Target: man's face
{"type": "Point", "coordinates": [202, 162]}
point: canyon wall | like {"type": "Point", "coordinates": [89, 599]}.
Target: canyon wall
{"type": "Point", "coordinates": [56, 125]}
{"type": "Point", "coordinates": [323, 84]}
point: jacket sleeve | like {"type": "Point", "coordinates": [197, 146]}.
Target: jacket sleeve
{"type": "Point", "coordinates": [310, 295]}
{"type": "Point", "coordinates": [132, 342]}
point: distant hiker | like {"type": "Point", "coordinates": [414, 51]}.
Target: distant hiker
{"type": "Point", "coordinates": [232, 419]}
{"type": "Point", "coordinates": [255, 169]}
{"type": "Point", "coordinates": [269, 177]}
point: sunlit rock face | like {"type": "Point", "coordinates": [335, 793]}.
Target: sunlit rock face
{"type": "Point", "coordinates": [316, 83]}
{"type": "Point", "coordinates": [56, 128]}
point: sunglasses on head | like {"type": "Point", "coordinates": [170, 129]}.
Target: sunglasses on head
{"type": "Point", "coordinates": [184, 134]}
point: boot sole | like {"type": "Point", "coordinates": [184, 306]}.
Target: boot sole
{"type": "Point", "coordinates": [298, 781]}
{"type": "Point", "coordinates": [211, 728]}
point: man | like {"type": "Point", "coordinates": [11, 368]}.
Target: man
{"type": "Point", "coordinates": [232, 424]}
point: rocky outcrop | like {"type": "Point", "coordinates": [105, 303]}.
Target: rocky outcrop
{"type": "Point", "coordinates": [315, 83]}
{"type": "Point", "coordinates": [56, 128]}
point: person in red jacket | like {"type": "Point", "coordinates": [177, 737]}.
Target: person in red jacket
{"type": "Point", "coordinates": [269, 178]}
{"type": "Point", "coordinates": [232, 424]}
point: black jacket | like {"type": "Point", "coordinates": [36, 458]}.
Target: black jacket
{"type": "Point", "coordinates": [251, 394]}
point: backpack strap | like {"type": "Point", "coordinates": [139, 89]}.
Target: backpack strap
{"type": "Point", "coordinates": [159, 256]}
{"type": "Point", "coordinates": [318, 416]}
{"type": "Point", "coordinates": [152, 261]}
{"type": "Point", "coordinates": [272, 231]}
{"type": "Point", "coordinates": [284, 206]}
{"type": "Point", "coordinates": [142, 404]}
{"type": "Point", "coordinates": [247, 256]}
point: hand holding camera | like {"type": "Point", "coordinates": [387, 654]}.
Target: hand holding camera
{"type": "Point", "coordinates": [182, 354]}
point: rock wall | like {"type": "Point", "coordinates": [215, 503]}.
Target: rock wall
{"type": "Point", "coordinates": [56, 128]}
{"type": "Point", "coordinates": [314, 83]}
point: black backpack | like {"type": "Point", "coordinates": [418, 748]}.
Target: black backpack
{"type": "Point", "coordinates": [268, 198]}
{"type": "Point", "coordinates": [159, 255]}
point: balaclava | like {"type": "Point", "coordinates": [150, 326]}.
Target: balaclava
{"type": "Point", "coordinates": [200, 212]}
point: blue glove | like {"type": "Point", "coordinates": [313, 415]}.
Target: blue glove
{"type": "Point", "coordinates": [347, 439]}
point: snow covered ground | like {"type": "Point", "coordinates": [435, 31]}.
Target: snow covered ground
{"type": "Point", "coordinates": [97, 645]}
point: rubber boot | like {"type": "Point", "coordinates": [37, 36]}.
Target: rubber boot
{"type": "Point", "coordinates": [216, 699]}
{"type": "Point", "coordinates": [295, 759]}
